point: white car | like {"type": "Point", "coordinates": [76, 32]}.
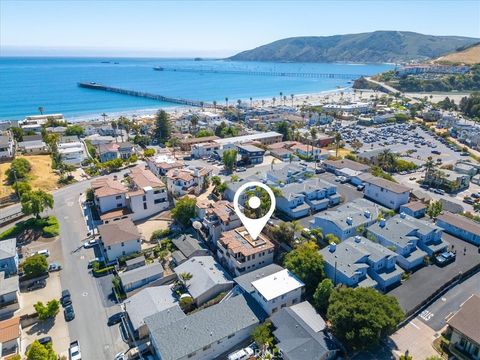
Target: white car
{"type": "Point", "coordinates": [74, 351]}
{"type": "Point", "coordinates": [43, 252]}
{"type": "Point", "coordinates": [89, 243]}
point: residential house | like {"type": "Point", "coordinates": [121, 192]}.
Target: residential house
{"type": "Point", "coordinates": [145, 303]}
{"type": "Point", "coordinates": [9, 291]}
{"type": "Point", "coordinates": [10, 337]}
{"type": "Point", "coordinates": [284, 154]}
{"type": "Point", "coordinates": [108, 152]}
{"type": "Point", "coordinates": [119, 238]}
{"type": "Point", "coordinates": [186, 144]}
{"type": "Point", "coordinates": [239, 253]}
{"type": "Point", "coordinates": [188, 247]}
{"type": "Point", "coordinates": [460, 226]}
{"type": "Point", "coordinates": [278, 290]}
{"type": "Point", "coordinates": [72, 152]}
{"type": "Point", "coordinates": [33, 145]}
{"type": "Point", "coordinates": [361, 262]}
{"type": "Point", "coordinates": [191, 180]}
{"type": "Point", "coordinates": [306, 197]}
{"type": "Point", "coordinates": [205, 334]}
{"type": "Point", "coordinates": [348, 219]}
{"type": "Point", "coordinates": [106, 130]}
{"type": "Point", "coordinates": [35, 122]}
{"type": "Point", "coordinates": [464, 328]}
{"type": "Point", "coordinates": [219, 218]}
{"type": "Point", "coordinates": [412, 239]}
{"type": "Point", "coordinates": [245, 280]}
{"type": "Point", "coordinates": [109, 194]}
{"type": "Point", "coordinates": [126, 150]}
{"type": "Point", "coordinates": [7, 148]}
{"type": "Point", "coordinates": [209, 278]}
{"type": "Point", "coordinates": [8, 256]}
{"type": "Point", "coordinates": [301, 334]}
{"type": "Point", "coordinates": [250, 154]}
{"type": "Point", "coordinates": [60, 130]}
{"type": "Point", "coordinates": [141, 276]}
{"type": "Point", "coordinates": [335, 166]}
{"type": "Point", "coordinates": [162, 162]}
{"type": "Point", "coordinates": [415, 209]}
{"type": "Point", "coordinates": [385, 192]}
{"type": "Point", "coordinates": [309, 151]}
{"type": "Point", "coordinates": [204, 150]}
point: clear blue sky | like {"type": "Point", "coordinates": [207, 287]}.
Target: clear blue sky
{"type": "Point", "coordinates": [211, 28]}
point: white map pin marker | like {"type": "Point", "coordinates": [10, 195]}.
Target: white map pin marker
{"type": "Point", "coordinates": [254, 226]}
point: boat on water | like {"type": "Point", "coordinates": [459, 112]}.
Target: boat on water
{"type": "Point", "coordinates": [158, 68]}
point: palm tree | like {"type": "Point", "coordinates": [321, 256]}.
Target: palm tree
{"type": "Point", "coordinates": [184, 277]}
{"type": "Point", "coordinates": [215, 105]}
{"type": "Point", "coordinates": [313, 134]}
{"type": "Point", "coordinates": [40, 109]}
{"type": "Point", "coordinates": [284, 99]}
{"type": "Point", "coordinates": [281, 96]}
{"type": "Point", "coordinates": [193, 122]}
{"type": "Point", "coordinates": [291, 97]}
{"type": "Point", "coordinates": [226, 101]}
{"type": "Point", "coordinates": [273, 100]}
{"type": "Point", "coordinates": [251, 99]}
{"type": "Point", "coordinates": [115, 127]}
{"type": "Point", "coordinates": [263, 102]}
{"type": "Point", "coordinates": [338, 141]}
{"type": "Point", "coordinates": [104, 116]}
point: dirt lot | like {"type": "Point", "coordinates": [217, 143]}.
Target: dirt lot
{"type": "Point", "coordinates": [42, 175]}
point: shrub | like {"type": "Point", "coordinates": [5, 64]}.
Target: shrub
{"type": "Point", "coordinates": [160, 234]}
{"type": "Point", "coordinates": [18, 170]}
{"type": "Point", "coordinates": [35, 265]}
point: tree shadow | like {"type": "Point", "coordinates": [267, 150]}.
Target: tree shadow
{"type": "Point", "coordinates": [41, 327]}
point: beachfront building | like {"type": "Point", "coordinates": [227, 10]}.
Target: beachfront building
{"type": "Point", "coordinates": [357, 108]}
{"type": "Point", "coordinates": [119, 238]}
{"type": "Point", "coordinates": [412, 239]}
{"type": "Point", "coordinates": [348, 219]}
{"type": "Point", "coordinates": [385, 192]}
{"type": "Point", "coordinates": [34, 123]}
{"type": "Point", "coordinates": [191, 180]}
{"type": "Point", "coordinates": [239, 253]}
{"type": "Point", "coordinates": [360, 262]}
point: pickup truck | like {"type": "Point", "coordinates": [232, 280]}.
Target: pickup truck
{"type": "Point", "coordinates": [74, 351]}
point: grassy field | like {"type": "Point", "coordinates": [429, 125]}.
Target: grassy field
{"type": "Point", "coordinates": [42, 175]}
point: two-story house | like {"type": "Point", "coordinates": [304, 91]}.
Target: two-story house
{"type": "Point", "coordinates": [108, 151]}
{"type": "Point", "coordinates": [361, 262]}
{"type": "Point", "coordinates": [205, 150]}
{"type": "Point", "coordinates": [412, 239]}
{"type": "Point", "coordinates": [9, 292]}
{"type": "Point", "coordinates": [250, 154]}
{"type": "Point", "coordinates": [385, 192]}
{"type": "Point", "coordinates": [219, 218]}
{"type": "Point", "coordinates": [181, 182]}
{"type": "Point", "coordinates": [8, 256]}
{"type": "Point", "coordinates": [7, 148]}
{"type": "Point", "coordinates": [348, 219]}
{"type": "Point", "coordinates": [460, 226]}
{"type": "Point", "coordinates": [240, 254]}
{"type": "Point", "coordinates": [119, 238]}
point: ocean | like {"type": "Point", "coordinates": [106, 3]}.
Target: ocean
{"type": "Point", "coordinates": [28, 83]}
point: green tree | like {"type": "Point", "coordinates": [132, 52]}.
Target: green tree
{"type": "Point", "coordinates": [229, 158]}
{"type": "Point", "coordinates": [185, 277]}
{"type": "Point", "coordinates": [22, 187]}
{"type": "Point", "coordinates": [163, 127]}
{"type": "Point", "coordinates": [361, 317]}
{"type": "Point", "coordinates": [19, 170]}
{"type": "Point", "coordinates": [47, 311]}
{"type": "Point", "coordinates": [262, 334]}
{"type": "Point", "coordinates": [306, 262]}
{"type": "Point", "coordinates": [38, 351]}
{"type": "Point", "coordinates": [284, 128]}
{"type": "Point", "coordinates": [204, 133]}
{"type": "Point", "coordinates": [322, 295]}
{"type": "Point", "coordinates": [17, 133]}
{"type": "Point", "coordinates": [35, 265]}
{"type": "Point", "coordinates": [35, 202]}
{"type": "Point", "coordinates": [434, 209]}
{"type": "Point", "coordinates": [148, 152]}
{"type": "Point", "coordinates": [338, 141]}
{"type": "Point", "coordinates": [184, 210]}
{"type": "Point", "coordinates": [75, 130]}
{"type": "Point", "coordinates": [332, 239]}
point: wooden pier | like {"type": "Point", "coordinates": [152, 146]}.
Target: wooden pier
{"type": "Point", "coordinates": [147, 95]}
{"type": "Point", "coordinates": [310, 75]}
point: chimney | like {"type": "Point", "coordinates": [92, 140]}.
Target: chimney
{"type": "Point", "coordinates": [349, 220]}
{"type": "Point", "coordinates": [382, 222]}
{"type": "Point", "coordinates": [332, 247]}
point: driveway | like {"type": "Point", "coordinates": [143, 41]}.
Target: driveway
{"type": "Point", "coordinates": [425, 281]}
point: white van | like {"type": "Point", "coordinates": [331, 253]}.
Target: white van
{"type": "Point", "coordinates": [242, 354]}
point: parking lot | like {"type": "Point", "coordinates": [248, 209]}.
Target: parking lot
{"type": "Point", "coordinates": [425, 281]}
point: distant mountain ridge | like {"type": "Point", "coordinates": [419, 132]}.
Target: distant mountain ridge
{"type": "Point", "coordinates": [373, 47]}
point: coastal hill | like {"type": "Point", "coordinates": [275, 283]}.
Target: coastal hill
{"type": "Point", "coordinates": [374, 47]}
{"type": "Point", "coordinates": [469, 55]}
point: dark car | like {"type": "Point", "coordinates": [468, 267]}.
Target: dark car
{"type": "Point", "coordinates": [69, 313]}
{"type": "Point", "coordinates": [115, 319]}
{"type": "Point", "coordinates": [43, 341]}
{"type": "Point", "coordinates": [445, 258]}
{"type": "Point", "coordinates": [319, 170]}
{"type": "Point", "coordinates": [66, 298]}
{"type": "Point", "coordinates": [38, 284]}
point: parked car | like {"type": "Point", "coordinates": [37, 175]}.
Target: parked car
{"type": "Point", "coordinates": [66, 299]}
{"type": "Point", "coordinates": [115, 319]}
{"type": "Point", "coordinates": [43, 341]}
{"type": "Point", "coordinates": [54, 267]}
{"type": "Point", "coordinates": [241, 169]}
{"type": "Point", "coordinates": [468, 200]}
{"type": "Point", "coordinates": [69, 313]}
{"type": "Point", "coordinates": [43, 252]}
{"type": "Point", "coordinates": [74, 351]}
{"type": "Point", "coordinates": [439, 191]}
{"type": "Point", "coordinates": [242, 354]}
{"type": "Point", "coordinates": [445, 258]}
{"type": "Point", "coordinates": [38, 284]}
{"type": "Point", "coordinates": [360, 187]}
{"type": "Point", "coordinates": [412, 178]}
{"type": "Point", "coordinates": [319, 170]}
{"type": "Point", "coordinates": [120, 356]}
{"type": "Point", "coordinates": [90, 243]}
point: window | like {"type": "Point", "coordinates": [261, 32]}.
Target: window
{"type": "Point", "coordinates": [158, 201]}
{"type": "Point", "coordinates": [274, 310]}
{"type": "Point", "coordinates": [123, 244]}
{"type": "Point", "coordinates": [144, 198]}
{"type": "Point", "coordinates": [191, 354]}
{"type": "Point", "coordinates": [119, 205]}
{"type": "Point", "coordinates": [230, 336]}
{"type": "Point", "coordinates": [118, 197]}
{"type": "Point", "coordinates": [156, 192]}
{"type": "Point", "coordinates": [207, 347]}
{"type": "Point", "coordinates": [145, 206]}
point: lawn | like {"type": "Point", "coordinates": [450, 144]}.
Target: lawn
{"type": "Point", "coordinates": [42, 175]}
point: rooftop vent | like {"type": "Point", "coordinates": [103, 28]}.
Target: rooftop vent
{"type": "Point", "coordinates": [349, 220]}
{"type": "Point", "coordinates": [382, 222]}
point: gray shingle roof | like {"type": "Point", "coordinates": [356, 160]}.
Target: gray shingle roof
{"type": "Point", "coordinates": [118, 231]}
{"type": "Point", "coordinates": [142, 272]}
{"type": "Point", "coordinates": [188, 245]}
{"type": "Point", "coordinates": [193, 332]}
{"type": "Point", "coordinates": [207, 273]}
{"type": "Point", "coordinates": [147, 302]}
{"type": "Point", "coordinates": [8, 248]}
{"type": "Point", "coordinates": [297, 340]}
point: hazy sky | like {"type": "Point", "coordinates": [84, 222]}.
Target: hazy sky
{"type": "Point", "coordinates": [211, 28]}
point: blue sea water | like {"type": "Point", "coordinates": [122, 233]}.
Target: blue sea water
{"type": "Point", "coordinates": [27, 83]}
